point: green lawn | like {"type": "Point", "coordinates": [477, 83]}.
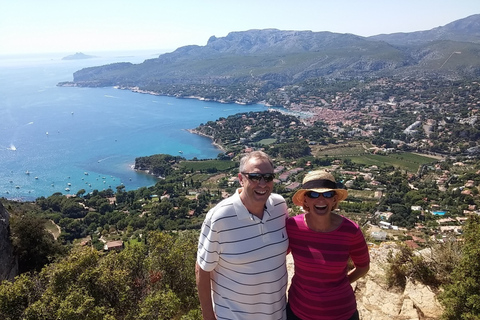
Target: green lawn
{"type": "Point", "coordinates": [267, 142]}
{"type": "Point", "coordinates": [220, 165]}
{"type": "Point", "coordinates": [408, 161]}
{"type": "Point", "coordinates": [51, 227]}
{"type": "Point", "coordinates": [358, 154]}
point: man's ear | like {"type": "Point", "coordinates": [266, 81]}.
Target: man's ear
{"type": "Point", "coordinates": [240, 179]}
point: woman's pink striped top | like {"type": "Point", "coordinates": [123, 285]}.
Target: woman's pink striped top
{"type": "Point", "coordinates": [320, 289]}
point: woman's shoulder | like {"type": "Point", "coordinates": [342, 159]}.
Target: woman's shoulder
{"type": "Point", "coordinates": [349, 224]}
{"type": "Point", "coordinates": [295, 219]}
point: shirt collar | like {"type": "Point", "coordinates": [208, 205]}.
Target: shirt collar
{"type": "Point", "coordinates": [242, 211]}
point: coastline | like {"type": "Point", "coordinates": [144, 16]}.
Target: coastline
{"type": "Point", "coordinates": [138, 90]}
{"type": "Point", "coordinates": [218, 146]}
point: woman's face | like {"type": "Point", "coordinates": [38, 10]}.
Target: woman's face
{"type": "Point", "coordinates": [321, 205]}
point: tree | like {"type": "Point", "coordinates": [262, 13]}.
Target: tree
{"type": "Point", "coordinates": [461, 297]}
{"type": "Point", "coordinates": [80, 193]}
{"type": "Point", "coordinates": [174, 256]}
{"type": "Point", "coordinates": [144, 281]}
{"type": "Point", "coordinates": [33, 245]}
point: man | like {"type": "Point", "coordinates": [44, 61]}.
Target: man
{"type": "Point", "coordinates": [242, 249]}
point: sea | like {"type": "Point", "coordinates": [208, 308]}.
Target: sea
{"type": "Point", "coordinates": [64, 139]}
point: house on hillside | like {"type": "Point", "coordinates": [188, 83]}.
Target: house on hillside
{"type": "Point", "coordinates": [379, 235]}
{"type": "Point", "coordinates": [412, 244]}
{"type": "Point", "coordinates": [292, 186]}
{"type": "Point", "coordinates": [113, 245]}
{"type": "Point", "coordinates": [385, 225]}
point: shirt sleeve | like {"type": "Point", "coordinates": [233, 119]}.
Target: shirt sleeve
{"type": "Point", "coordinates": [359, 250]}
{"type": "Point", "coordinates": [208, 246]}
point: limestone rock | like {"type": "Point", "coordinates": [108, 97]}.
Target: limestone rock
{"type": "Point", "coordinates": [408, 310]}
{"type": "Point", "coordinates": [8, 262]}
{"type": "Point", "coordinates": [375, 298]}
{"type": "Point", "coordinates": [424, 299]}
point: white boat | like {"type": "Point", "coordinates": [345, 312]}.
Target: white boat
{"type": "Point", "coordinates": [67, 189]}
{"type": "Point", "coordinates": [27, 172]}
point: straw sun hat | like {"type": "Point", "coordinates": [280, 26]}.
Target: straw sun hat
{"type": "Point", "coordinates": [319, 181]}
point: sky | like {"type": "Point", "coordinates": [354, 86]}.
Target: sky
{"type": "Point", "coordinates": [89, 26]}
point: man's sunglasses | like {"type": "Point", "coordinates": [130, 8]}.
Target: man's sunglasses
{"type": "Point", "coordinates": [315, 195]}
{"type": "Point", "coordinates": [268, 177]}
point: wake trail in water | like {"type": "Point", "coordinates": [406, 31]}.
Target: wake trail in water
{"type": "Point", "coordinates": [106, 158]}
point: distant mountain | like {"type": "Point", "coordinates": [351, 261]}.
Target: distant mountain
{"type": "Point", "coordinates": [464, 30]}
{"type": "Point", "coordinates": [78, 56]}
{"type": "Point", "coordinates": [271, 58]}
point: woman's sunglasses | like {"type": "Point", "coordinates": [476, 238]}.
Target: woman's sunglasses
{"type": "Point", "coordinates": [268, 177]}
{"type": "Point", "coordinates": [315, 195]}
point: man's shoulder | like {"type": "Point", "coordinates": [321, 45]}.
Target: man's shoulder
{"type": "Point", "coordinates": [276, 199]}
{"type": "Point", "coordinates": [223, 208]}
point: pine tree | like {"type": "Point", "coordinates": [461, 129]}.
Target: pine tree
{"type": "Point", "coordinates": [461, 297]}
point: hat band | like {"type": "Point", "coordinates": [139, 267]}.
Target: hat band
{"type": "Point", "coordinates": [319, 184]}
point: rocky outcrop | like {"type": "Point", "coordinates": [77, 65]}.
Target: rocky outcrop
{"type": "Point", "coordinates": [376, 302]}
{"type": "Point", "coordinates": [8, 262]}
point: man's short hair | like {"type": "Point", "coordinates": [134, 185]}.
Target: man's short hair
{"type": "Point", "coordinates": [254, 155]}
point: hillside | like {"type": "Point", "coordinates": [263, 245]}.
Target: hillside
{"type": "Point", "coordinates": [270, 58]}
{"type": "Point", "coordinates": [463, 30]}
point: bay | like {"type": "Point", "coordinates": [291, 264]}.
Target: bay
{"type": "Point", "coordinates": [63, 139]}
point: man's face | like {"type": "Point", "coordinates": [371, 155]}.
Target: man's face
{"type": "Point", "coordinates": [256, 192]}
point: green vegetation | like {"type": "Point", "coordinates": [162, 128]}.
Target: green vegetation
{"type": "Point", "coordinates": [358, 153]}
{"type": "Point", "coordinates": [461, 297]}
{"type": "Point", "coordinates": [210, 166]}
{"type": "Point", "coordinates": [406, 161]}
{"type": "Point", "coordinates": [267, 142]}
{"type": "Point", "coordinates": [152, 280]}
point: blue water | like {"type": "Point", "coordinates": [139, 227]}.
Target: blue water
{"type": "Point", "coordinates": [439, 213]}
{"type": "Point", "coordinates": [88, 138]}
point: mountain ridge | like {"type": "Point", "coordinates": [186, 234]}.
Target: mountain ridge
{"type": "Point", "coordinates": [466, 29]}
{"type": "Point", "coordinates": [271, 58]}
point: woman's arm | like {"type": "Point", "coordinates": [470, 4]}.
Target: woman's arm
{"type": "Point", "coordinates": [357, 272]}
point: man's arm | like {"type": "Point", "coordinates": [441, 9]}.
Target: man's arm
{"type": "Point", "coordinates": [204, 289]}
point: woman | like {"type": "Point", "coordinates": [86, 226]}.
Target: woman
{"type": "Point", "coordinates": [321, 243]}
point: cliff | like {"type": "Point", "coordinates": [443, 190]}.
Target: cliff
{"type": "Point", "coordinates": [8, 262]}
